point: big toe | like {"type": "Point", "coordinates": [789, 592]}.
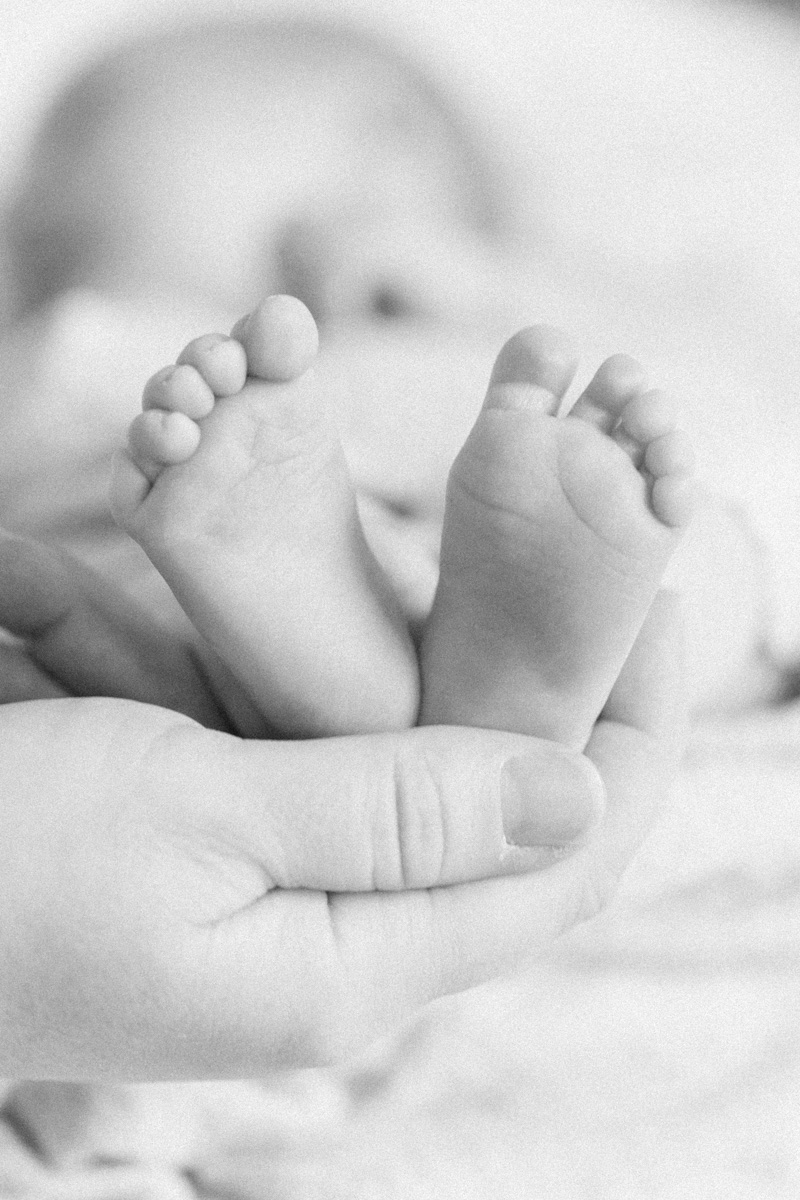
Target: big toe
{"type": "Point", "coordinates": [616, 383]}
{"type": "Point", "coordinates": [533, 370]}
{"type": "Point", "coordinates": [280, 339]}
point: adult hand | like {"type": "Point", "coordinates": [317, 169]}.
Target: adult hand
{"type": "Point", "coordinates": [176, 902]}
{"type": "Point", "coordinates": [79, 635]}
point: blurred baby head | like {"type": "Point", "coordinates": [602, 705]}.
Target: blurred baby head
{"type": "Point", "coordinates": [190, 173]}
{"type": "Point", "coordinates": [229, 160]}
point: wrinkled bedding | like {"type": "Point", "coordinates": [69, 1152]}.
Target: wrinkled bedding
{"type": "Point", "coordinates": [653, 1053]}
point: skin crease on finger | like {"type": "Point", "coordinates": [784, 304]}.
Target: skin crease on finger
{"type": "Point", "coordinates": [176, 933]}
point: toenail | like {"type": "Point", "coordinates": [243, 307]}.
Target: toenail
{"type": "Point", "coordinates": [520, 397]}
{"type": "Point", "coordinates": [208, 343]}
{"type": "Point", "coordinates": [154, 388]}
{"type": "Point", "coordinates": [540, 356]}
{"type": "Point", "coordinates": [225, 373]}
{"type": "Point", "coordinates": [213, 341]}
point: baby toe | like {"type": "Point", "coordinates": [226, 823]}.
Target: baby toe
{"type": "Point", "coordinates": [280, 339]}
{"type": "Point", "coordinates": [675, 499]}
{"type": "Point", "coordinates": [643, 419]}
{"type": "Point", "coordinates": [647, 417]}
{"type": "Point", "coordinates": [179, 389]}
{"type": "Point", "coordinates": [533, 370]}
{"type": "Point", "coordinates": [617, 382]}
{"type": "Point", "coordinates": [157, 439]}
{"type": "Point", "coordinates": [220, 361]}
{"type": "Point", "coordinates": [670, 454]}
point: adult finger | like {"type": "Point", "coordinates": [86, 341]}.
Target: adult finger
{"type": "Point", "coordinates": [422, 808]}
{"type": "Point", "coordinates": [90, 638]}
{"type": "Point", "coordinates": [638, 744]}
{"type": "Point", "coordinates": [333, 900]}
{"type": "Point", "coordinates": [141, 898]}
{"type": "Point", "coordinates": [158, 839]}
{"type": "Point", "coordinates": [435, 806]}
{"type": "Point", "coordinates": [355, 964]}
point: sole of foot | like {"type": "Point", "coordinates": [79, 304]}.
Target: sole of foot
{"type": "Point", "coordinates": [234, 483]}
{"type": "Point", "coordinates": [558, 529]}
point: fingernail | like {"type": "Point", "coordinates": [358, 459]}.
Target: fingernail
{"type": "Point", "coordinates": [549, 799]}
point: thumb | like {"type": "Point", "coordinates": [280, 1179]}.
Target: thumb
{"type": "Point", "coordinates": [388, 812]}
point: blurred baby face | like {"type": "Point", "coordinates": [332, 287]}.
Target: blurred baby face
{"type": "Point", "coordinates": [332, 188]}
{"type": "Point", "coordinates": [320, 178]}
{"type": "Point", "coordinates": [326, 179]}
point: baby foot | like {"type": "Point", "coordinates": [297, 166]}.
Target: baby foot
{"type": "Point", "coordinates": [235, 484]}
{"type": "Point", "coordinates": [557, 532]}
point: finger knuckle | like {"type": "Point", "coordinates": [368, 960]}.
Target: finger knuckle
{"type": "Point", "coordinates": [416, 851]}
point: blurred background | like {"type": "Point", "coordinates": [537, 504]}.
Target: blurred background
{"type": "Point", "coordinates": [662, 127]}
{"type": "Point", "coordinates": [655, 145]}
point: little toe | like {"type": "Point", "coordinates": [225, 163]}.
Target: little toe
{"type": "Point", "coordinates": [645, 418]}
{"type": "Point", "coordinates": [220, 360]}
{"type": "Point", "coordinates": [157, 439]}
{"type": "Point", "coordinates": [533, 370]}
{"type": "Point", "coordinates": [675, 499]}
{"type": "Point", "coordinates": [674, 495]}
{"type": "Point", "coordinates": [179, 389]}
{"type": "Point", "coordinates": [670, 454]}
{"type": "Point", "coordinates": [617, 382]}
{"type": "Point", "coordinates": [648, 416]}
{"type": "Point", "coordinates": [280, 339]}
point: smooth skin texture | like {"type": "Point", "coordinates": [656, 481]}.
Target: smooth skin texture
{"type": "Point", "coordinates": [557, 532]}
{"type": "Point", "coordinates": [179, 903]}
{"type": "Point", "coordinates": [558, 528]}
{"type": "Point", "coordinates": [236, 486]}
